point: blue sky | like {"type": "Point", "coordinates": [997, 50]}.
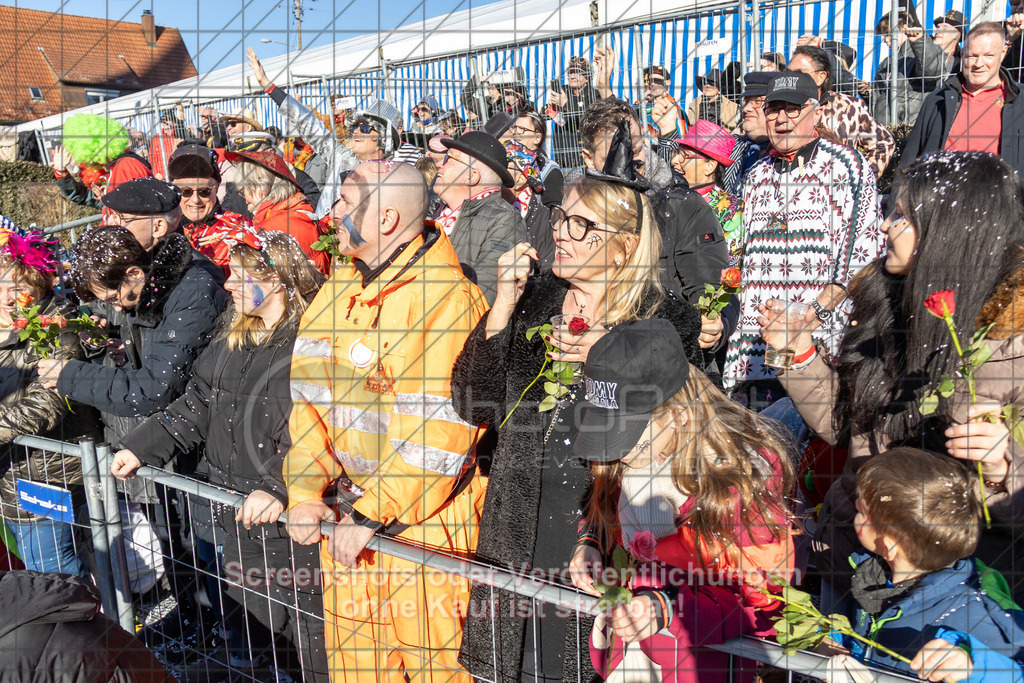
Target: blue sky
{"type": "Point", "coordinates": [218, 31]}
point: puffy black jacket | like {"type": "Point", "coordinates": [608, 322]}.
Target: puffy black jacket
{"type": "Point", "coordinates": [163, 336]}
{"type": "Point", "coordinates": [51, 631]}
{"type": "Point", "coordinates": [940, 108]}
{"type": "Point", "coordinates": [237, 404]}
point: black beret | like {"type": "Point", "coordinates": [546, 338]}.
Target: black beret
{"type": "Point", "coordinates": [143, 196]}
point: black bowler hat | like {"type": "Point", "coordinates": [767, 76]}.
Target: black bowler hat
{"type": "Point", "coordinates": [193, 161]}
{"type": "Point", "coordinates": [486, 148]}
{"type": "Point", "coordinates": [793, 87]}
{"type": "Point", "coordinates": [755, 83]}
{"type": "Point", "coordinates": [143, 196]}
{"type": "Point", "coordinates": [630, 372]}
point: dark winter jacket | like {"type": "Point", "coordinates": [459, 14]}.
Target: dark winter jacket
{"type": "Point", "coordinates": [489, 376]}
{"type": "Point", "coordinates": [27, 407]}
{"type": "Point", "coordinates": [694, 250]}
{"type": "Point", "coordinates": [939, 110]}
{"type": "Point", "coordinates": [236, 407]}
{"type": "Point", "coordinates": [566, 146]}
{"type": "Point", "coordinates": [952, 598]}
{"type": "Point", "coordinates": [919, 68]}
{"type": "Point", "coordinates": [539, 233]}
{"type": "Point", "coordinates": [486, 229]}
{"type": "Point", "coordinates": [163, 336]}
{"type": "Point", "coordinates": [51, 631]}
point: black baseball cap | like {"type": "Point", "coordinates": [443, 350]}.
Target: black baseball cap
{"type": "Point", "coordinates": [630, 372]}
{"type": "Point", "coordinates": [659, 71]}
{"type": "Point", "coordinates": [193, 161]}
{"type": "Point", "coordinates": [793, 87]}
{"type": "Point", "coordinates": [755, 83]}
{"type": "Point", "coordinates": [953, 18]}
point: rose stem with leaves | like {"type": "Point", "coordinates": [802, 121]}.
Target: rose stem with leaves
{"type": "Point", "coordinates": [827, 623]}
{"type": "Point", "coordinates": [968, 374]}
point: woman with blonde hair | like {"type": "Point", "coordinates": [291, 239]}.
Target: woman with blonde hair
{"type": "Point", "coordinates": [236, 407]}
{"type": "Point", "coordinates": [692, 486]}
{"type": "Point", "coordinates": [605, 273]}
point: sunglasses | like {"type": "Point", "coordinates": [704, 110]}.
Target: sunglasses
{"type": "Point", "coordinates": [203, 192]}
{"type": "Point", "coordinates": [363, 128]}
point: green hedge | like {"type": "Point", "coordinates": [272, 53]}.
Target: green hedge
{"type": "Point", "coordinates": [29, 196]}
{"type": "Point", "coordinates": [24, 172]}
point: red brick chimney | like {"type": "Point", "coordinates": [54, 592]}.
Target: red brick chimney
{"type": "Point", "coordinates": [149, 27]}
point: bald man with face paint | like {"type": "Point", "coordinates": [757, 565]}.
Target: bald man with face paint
{"type": "Point", "coordinates": [373, 416]}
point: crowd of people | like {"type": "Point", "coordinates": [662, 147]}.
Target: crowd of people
{"type": "Point", "coordinates": [682, 355]}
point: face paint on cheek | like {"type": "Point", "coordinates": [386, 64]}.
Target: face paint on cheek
{"type": "Point", "coordinates": [257, 294]}
{"type": "Point", "coordinates": [353, 231]}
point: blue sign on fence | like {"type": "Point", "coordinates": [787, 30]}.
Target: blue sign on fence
{"type": "Point", "coordinates": [45, 500]}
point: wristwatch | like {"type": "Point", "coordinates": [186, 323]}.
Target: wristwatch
{"type": "Point", "coordinates": [824, 314]}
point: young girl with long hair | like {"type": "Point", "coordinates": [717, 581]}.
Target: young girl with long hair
{"type": "Point", "coordinates": [236, 407]}
{"type": "Point", "coordinates": [693, 487]}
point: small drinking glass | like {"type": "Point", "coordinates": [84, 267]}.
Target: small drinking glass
{"type": "Point", "coordinates": [793, 314]}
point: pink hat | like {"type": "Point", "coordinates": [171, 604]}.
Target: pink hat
{"type": "Point", "coordinates": [711, 140]}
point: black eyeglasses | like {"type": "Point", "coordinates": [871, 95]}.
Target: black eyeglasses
{"type": "Point", "coordinates": [203, 192]}
{"type": "Point", "coordinates": [363, 128]}
{"type": "Point", "coordinates": [578, 226]}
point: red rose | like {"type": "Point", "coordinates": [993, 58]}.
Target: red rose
{"type": "Point", "coordinates": [732, 278]}
{"type": "Point", "coordinates": [44, 320]}
{"type": "Point", "coordinates": [578, 325]}
{"type": "Point", "coordinates": [20, 324]}
{"type": "Point", "coordinates": [643, 545]}
{"type": "Point", "coordinates": [941, 304]}
{"type": "Point", "coordinates": [61, 322]}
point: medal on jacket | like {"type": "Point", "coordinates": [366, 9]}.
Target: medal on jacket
{"type": "Point", "coordinates": [379, 382]}
{"type": "Point", "coordinates": [361, 355]}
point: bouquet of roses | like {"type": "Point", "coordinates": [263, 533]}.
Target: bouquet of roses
{"type": "Point", "coordinates": [42, 332]}
{"type": "Point", "coordinates": [714, 299]}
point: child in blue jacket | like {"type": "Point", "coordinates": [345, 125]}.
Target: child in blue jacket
{"type": "Point", "coordinates": [918, 591]}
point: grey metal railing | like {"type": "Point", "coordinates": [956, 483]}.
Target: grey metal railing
{"type": "Point", "coordinates": [73, 226]}
{"type": "Point", "coordinates": [104, 518]}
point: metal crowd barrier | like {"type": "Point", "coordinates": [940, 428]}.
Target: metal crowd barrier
{"type": "Point", "coordinates": [73, 226]}
{"type": "Point", "coordinates": [110, 538]}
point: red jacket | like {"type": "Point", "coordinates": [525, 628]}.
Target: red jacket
{"type": "Point", "coordinates": [294, 216]}
{"type": "Point", "coordinates": [713, 605]}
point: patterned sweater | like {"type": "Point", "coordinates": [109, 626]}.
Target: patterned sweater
{"type": "Point", "coordinates": [853, 124]}
{"type": "Point", "coordinates": [809, 222]}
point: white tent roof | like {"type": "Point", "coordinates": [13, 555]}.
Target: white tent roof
{"type": "Point", "coordinates": [499, 23]}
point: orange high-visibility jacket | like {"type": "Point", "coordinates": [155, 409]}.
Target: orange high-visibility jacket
{"type": "Point", "coordinates": [371, 385]}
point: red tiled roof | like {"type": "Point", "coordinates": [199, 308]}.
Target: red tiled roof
{"type": "Point", "coordinates": [101, 53]}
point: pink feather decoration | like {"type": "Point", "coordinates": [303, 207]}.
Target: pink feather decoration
{"type": "Point", "coordinates": [32, 251]}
